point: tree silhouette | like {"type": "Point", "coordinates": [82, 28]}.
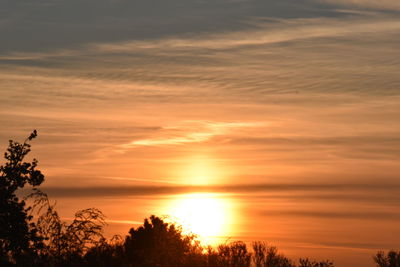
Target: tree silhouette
{"type": "Point", "coordinates": [234, 254]}
{"type": "Point", "coordinates": [265, 256]}
{"type": "Point", "coordinates": [311, 263]}
{"type": "Point", "coordinates": [106, 254]}
{"type": "Point", "coordinates": [19, 239]}
{"type": "Point", "coordinates": [46, 240]}
{"type": "Point", "coordinates": [392, 259]}
{"type": "Point", "coordinates": [158, 243]}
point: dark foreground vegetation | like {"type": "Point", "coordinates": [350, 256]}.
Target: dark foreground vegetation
{"type": "Point", "coordinates": [32, 233]}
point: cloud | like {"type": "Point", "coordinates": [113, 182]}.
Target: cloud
{"type": "Point", "coordinates": [307, 190]}
{"type": "Point", "coordinates": [390, 5]}
{"type": "Point", "coordinates": [189, 132]}
{"type": "Point", "coordinates": [277, 31]}
{"type": "Point", "coordinates": [323, 98]}
{"type": "Point", "coordinates": [269, 56]}
{"type": "Point", "coordinates": [66, 23]}
{"type": "Point", "coordinates": [377, 147]}
{"type": "Point", "coordinates": [342, 214]}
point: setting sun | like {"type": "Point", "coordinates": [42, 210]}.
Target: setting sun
{"type": "Point", "coordinates": [207, 215]}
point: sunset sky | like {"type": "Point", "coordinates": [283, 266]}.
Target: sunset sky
{"type": "Point", "coordinates": [273, 120]}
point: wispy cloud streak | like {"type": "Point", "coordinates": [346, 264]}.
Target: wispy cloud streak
{"type": "Point", "coordinates": [189, 132]}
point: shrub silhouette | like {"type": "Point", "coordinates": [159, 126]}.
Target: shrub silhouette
{"type": "Point", "coordinates": [234, 254]}
{"type": "Point", "coordinates": [62, 242]}
{"type": "Point", "coordinates": [311, 263]}
{"type": "Point", "coordinates": [106, 254]}
{"type": "Point", "coordinates": [265, 256]}
{"type": "Point", "coordinates": [391, 259]}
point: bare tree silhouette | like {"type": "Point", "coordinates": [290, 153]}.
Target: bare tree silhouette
{"type": "Point", "coordinates": [63, 242]}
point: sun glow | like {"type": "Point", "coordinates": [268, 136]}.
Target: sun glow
{"type": "Point", "coordinates": [201, 170]}
{"type": "Point", "coordinates": [207, 215]}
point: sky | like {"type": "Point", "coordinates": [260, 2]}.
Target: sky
{"type": "Point", "coordinates": [280, 114]}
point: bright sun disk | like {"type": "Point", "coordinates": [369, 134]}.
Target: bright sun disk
{"type": "Point", "coordinates": [204, 214]}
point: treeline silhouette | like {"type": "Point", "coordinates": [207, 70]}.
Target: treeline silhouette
{"type": "Point", "coordinates": [32, 233]}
